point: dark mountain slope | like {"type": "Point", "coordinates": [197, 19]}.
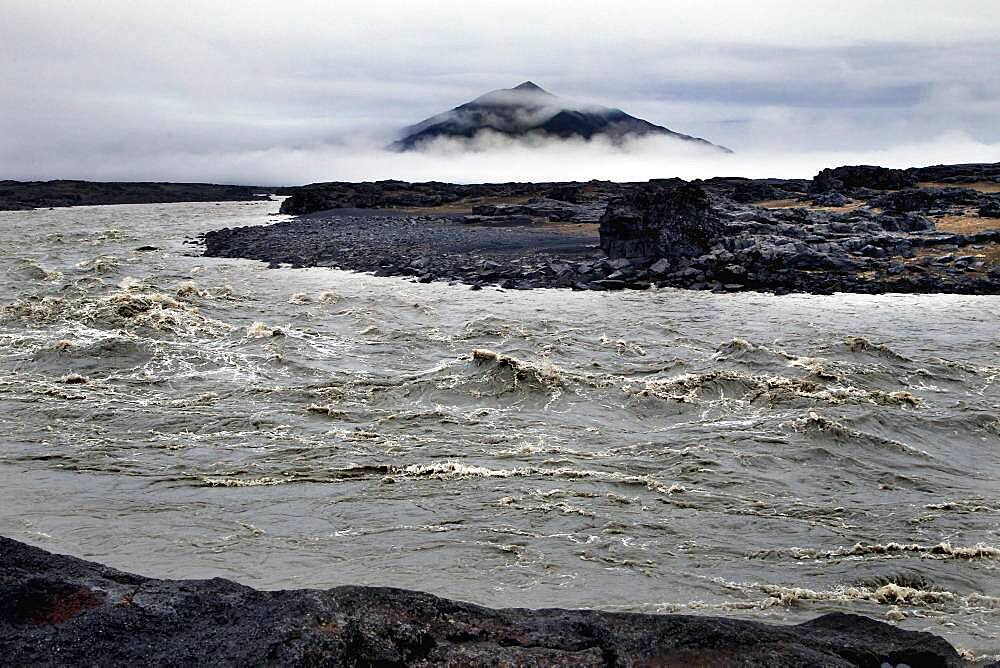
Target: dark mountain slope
{"type": "Point", "coordinates": [530, 111]}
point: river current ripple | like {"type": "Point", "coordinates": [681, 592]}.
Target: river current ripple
{"type": "Point", "coordinates": [665, 451]}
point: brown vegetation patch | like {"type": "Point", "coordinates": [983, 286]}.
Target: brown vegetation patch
{"type": "Point", "coordinates": [796, 204]}
{"type": "Point", "coordinates": [590, 229]}
{"type": "Point", "coordinates": [779, 203]}
{"type": "Point", "coordinates": [991, 252]}
{"type": "Point", "coordinates": [463, 206]}
{"type": "Point", "coordinates": [981, 186]}
{"type": "Point", "coordinates": [988, 252]}
{"type": "Point", "coordinates": [967, 222]}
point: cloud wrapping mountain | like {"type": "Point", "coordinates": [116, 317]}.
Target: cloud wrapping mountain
{"type": "Point", "coordinates": [529, 112]}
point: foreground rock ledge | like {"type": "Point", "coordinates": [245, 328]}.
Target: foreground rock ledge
{"type": "Point", "coordinates": [60, 610]}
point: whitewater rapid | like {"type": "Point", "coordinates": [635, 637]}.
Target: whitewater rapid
{"type": "Point", "coordinates": [743, 454]}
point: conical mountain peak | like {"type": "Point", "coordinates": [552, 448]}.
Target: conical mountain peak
{"type": "Point", "coordinates": [530, 110]}
{"type": "Point", "coordinates": [531, 86]}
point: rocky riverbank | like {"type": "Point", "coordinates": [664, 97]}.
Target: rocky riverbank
{"type": "Point", "coordinates": [850, 229]}
{"type": "Point", "coordinates": [58, 610]}
{"type": "Point", "coordinates": [24, 195]}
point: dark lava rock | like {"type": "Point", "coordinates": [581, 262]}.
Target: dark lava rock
{"type": "Point", "coordinates": [831, 199]}
{"type": "Point", "coordinates": [58, 610]}
{"type": "Point", "coordinates": [398, 194]}
{"type": "Point", "coordinates": [990, 210]}
{"type": "Point", "coordinates": [753, 191]}
{"type": "Point", "coordinates": [671, 222]}
{"type": "Point", "coordinates": [566, 193]}
{"type": "Point", "coordinates": [685, 235]}
{"type": "Point", "coordinates": [861, 176]}
{"type": "Point", "coordinates": [925, 199]}
{"type": "Point", "coordinates": [967, 173]}
{"type": "Point", "coordinates": [903, 222]}
{"type": "Point", "coordinates": [368, 195]}
{"type": "Point", "coordinates": [457, 249]}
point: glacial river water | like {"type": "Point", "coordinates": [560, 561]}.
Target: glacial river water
{"type": "Point", "coordinates": [666, 451]}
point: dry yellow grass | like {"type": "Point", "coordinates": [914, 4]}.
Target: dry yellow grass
{"type": "Point", "coordinates": [981, 186]}
{"type": "Point", "coordinates": [966, 223]}
{"type": "Point", "coordinates": [463, 205]}
{"type": "Point", "coordinates": [796, 204]}
{"type": "Point", "coordinates": [990, 252]}
{"type": "Point", "coordinates": [590, 229]}
{"type": "Point", "coordinates": [779, 203]}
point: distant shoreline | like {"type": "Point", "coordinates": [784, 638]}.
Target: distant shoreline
{"type": "Point", "coordinates": [27, 195]}
{"type": "Point", "coordinates": [854, 229]}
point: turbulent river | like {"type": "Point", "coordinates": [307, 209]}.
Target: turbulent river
{"type": "Point", "coordinates": [666, 451]}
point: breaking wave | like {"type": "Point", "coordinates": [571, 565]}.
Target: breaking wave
{"type": "Point", "coordinates": [943, 550]}
{"type": "Point", "coordinates": [450, 470]}
{"type": "Point", "coordinates": [135, 308]}
{"type": "Point", "coordinates": [713, 385]}
{"type": "Point", "coordinates": [520, 372]}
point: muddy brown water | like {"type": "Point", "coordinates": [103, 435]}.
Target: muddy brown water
{"type": "Point", "coordinates": [752, 455]}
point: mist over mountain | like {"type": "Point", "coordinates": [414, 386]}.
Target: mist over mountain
{"type": "Point", "coordinates": [528, 111]}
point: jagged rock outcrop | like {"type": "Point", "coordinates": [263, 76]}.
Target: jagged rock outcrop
{"type": "Point", "coordinates": [861, 176]}
{"type": "Point", "coordinates": [833, 199]}
{"type": "Point", "coordinates": [57, 610]}
{"type": "Point", "coordinates": [958, 174]}
{"type": "Point", "coordinates": [670, 222]}
{"type": "Point", "coordinates": [927, 199]}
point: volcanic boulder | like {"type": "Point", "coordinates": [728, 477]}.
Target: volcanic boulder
{"type": "Point", "coordinates": [671, 222]}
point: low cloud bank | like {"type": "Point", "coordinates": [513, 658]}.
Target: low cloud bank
{"type": "Point", "coordinates": [493, 158]}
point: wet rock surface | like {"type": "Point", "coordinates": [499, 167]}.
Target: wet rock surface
{"type": "Point", "coordinates": [58, 610]}
{"type": "Point", "coordinates": [851, 229]}
{"type": "Point", "coordinates": [386, 243]}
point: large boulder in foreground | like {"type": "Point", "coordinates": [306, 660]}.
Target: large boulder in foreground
{"type": "Point", "coordinates": [57, 610]}
{"type": "Point", "coordinates": [849, 177]}
{"type": "Point", "coordinates": [671, 220]}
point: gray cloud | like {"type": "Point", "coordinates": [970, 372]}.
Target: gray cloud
{"type": "Point", "coordinates": [276, 91]}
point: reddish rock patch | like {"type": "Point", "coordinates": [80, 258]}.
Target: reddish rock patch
{"type": "Point", "coordinates": [41, 602]}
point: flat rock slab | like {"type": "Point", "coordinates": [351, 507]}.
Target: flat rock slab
{"type": "Point", "coordinates": [59, 610]}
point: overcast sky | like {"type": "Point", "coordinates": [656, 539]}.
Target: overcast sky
{"type": "Point", "coordinates": [296, 91]}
